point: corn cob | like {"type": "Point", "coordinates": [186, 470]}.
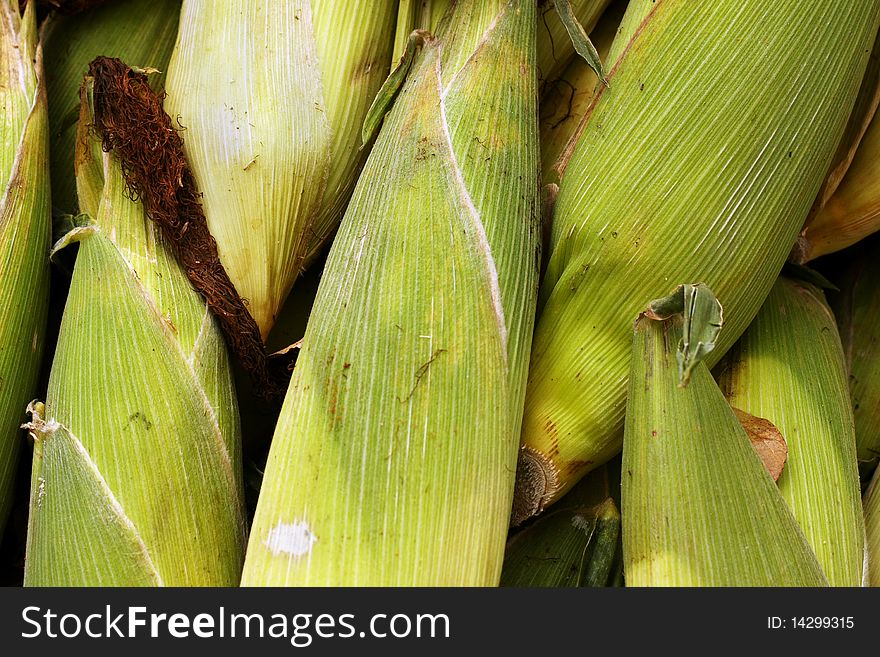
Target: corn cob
{"type": "Point", "coordinates": [788, 368]}
{"type": "Point", "coordinates": [137, 470]}
{"type": "Point", "coordinates": [872, 525]}
{"type": "Point", "coordinates": [393, 459]}
{"type": "Point", "coordinates": [138, 31]}
{"type": "Point", "coordinates": [273, 95]}
{"type": "Point", "coordinates": [24, 229]}
{"type": "Point", "coordinates": [691, 166]}
{"type": "Point", "coordinates": [699, 508]}
{"type": "Point", "coordinates": [857, 309]}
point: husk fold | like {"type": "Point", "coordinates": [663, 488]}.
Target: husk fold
{"type": "Point", "coordinates": [788, 367]}
{"type": "Point", "coordinates": [699, 508]}
{"type": "Point", "coordinates": [393, 458]}
{"type": "Point", "coordinates": [137, 465]}
{"type": "Point", "coordinates": [25, 226]}
{"type": "Point", "coordinates": [272, 95]}
{"type": "Point", "coordinates": [699, 162]}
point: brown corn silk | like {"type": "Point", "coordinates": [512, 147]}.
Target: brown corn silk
{"type": "Point", "coordinates": [131, 122]}
{"type": "Point", "coordinates": [139, 32]}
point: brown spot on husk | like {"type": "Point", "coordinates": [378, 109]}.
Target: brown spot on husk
{"type": "Point", "coordinates": [130, 121]}
{"type": "Point", "coordinates": [767, 441]}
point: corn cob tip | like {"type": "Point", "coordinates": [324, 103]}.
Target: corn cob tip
{"type": "Point", "coordinates": [537, 482]}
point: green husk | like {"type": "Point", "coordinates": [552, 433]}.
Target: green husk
{"type": "Point", "coordinates": [574, 544]}
{"type": "Point", "coordinates": [788, 368]}
{"type": "Point", "coordinates": [393, 459]}
{"type": "Point", "coordinates": [555, 47]}
{"type": "Point", "coordinates": [691, 166]}
{"type": "Point", "coordinates": [25, 225]}
{"type": "Point", "coordinates": [857, 309]}
{"type": "Point", "coordinates": [872, 525]}
{"type": "Point", "coordinates": [139, 32]}
{"type": "Point", "coordinates": [137, 458]}
{"type": "Point", "coordinates": [273, 95]}
{"type": "Point", "coordinates": [699, 508]}
{"type": "Point", "coordinates": [566, 101]}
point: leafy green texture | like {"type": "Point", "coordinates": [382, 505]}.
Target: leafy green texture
{"type": "Point", "coordinates": [273, 95]}
{"type": "Point", "coordinates": [699, 508]}
{"type": "Point", "coordinates": [857, 309]}
{"type": "Point", "coordinates": [872, 525]}
{"type": "Point", "coordinates": [691, 166]}
{"type": "Point", "coordinates": [393, 458]}
{"type": "Point", "coordinates": [788, 368]}
{"type": "Point", "coordinates": [145, 485]}
{"type": "Point", "coordinates": [566, 547]}
{"type": "Point", "coordinates": [139, 32]}
{"type": "Point", "coordinates": [24, 229]}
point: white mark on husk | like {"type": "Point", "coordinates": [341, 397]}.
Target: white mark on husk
{"type": "Point", "coordinates": [295, 538]}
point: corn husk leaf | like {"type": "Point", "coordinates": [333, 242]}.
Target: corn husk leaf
{"type": "Point", "coordinates": [699, 508]}
{"type": "Point", "coordinates": [555, 46]}
{"type": "Point", "coordinates": [872, 525]}
{"type": "Point", "coordinates": [853, 211]}
{"type": "Point", "coordinates": [684, 136]}
{"type": "Point", "coordinates": [567, 99]}
{"type": "Point", "coordinates": [137, 470]}
{"type": "Point", "coordinates": [788, 367]}
{"type": "Point", "coordinates": [140, 32]}
{"type": "Point", "coordinates": [568, 546]}
{"type": "Point", "coordinates": [24, 229]}
{"type": "Point", "coordinates": [857, 309]}
{"type": "Point", "coordinates": [273, 95]}
{"type": "Point", "coordinates": [393, 458]}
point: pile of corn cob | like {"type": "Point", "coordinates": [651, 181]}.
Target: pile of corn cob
{"type": "Point", "coordinates": [564, 322]}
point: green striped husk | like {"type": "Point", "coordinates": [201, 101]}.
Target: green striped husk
{"type": "Point", "coordinates": [872, 526]}
{"type": "Point", "coordinates": [857, 309]}
{"type": "Point", "coordinates": [137, 466]}
{"type": "Point", "coordinates": [273, 95]}
{"type": "Point", "coordinates": [699, 508]}
{"type": "Point", "coordinates": [25, 226]}
{"type": "Point", "coordinates": [699, 162]}
{"type": "Point", "coordinates": [393, 459]}
{"type": "Point", "coordinates": [139, 32]}
{"type": "Point", "coordinates": [570, 545]}
{"type": "Point", "coordinates": [788, 368]}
